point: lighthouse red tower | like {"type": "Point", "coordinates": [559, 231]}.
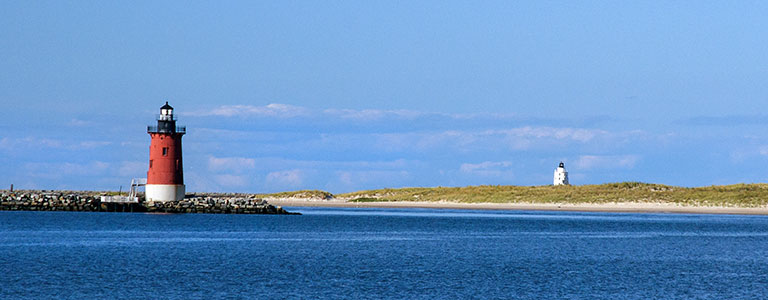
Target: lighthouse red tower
{"type": "Point", "coordinates": [165, 178]}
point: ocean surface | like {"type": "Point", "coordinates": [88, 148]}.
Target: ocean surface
{"type": "Point", "coordinates": [347, 253]}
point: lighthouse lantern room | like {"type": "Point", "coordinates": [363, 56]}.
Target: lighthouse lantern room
{"type": "Point", "coordinates": [165, 178]}
{"type": "Point", "coordinates": [561, 175]}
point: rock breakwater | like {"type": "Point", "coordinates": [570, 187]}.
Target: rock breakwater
{"type": "Point", "coordinates": [213, 205]}
{"type": "Point", "coordinates": [91, 201]}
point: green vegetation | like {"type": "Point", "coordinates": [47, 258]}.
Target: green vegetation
{"type": "Point", "coordinates": [300, 194]}
{"type": "Point", "coordinates": [737, 195]}
{"type": "Point", "coordinates": [368, 199]}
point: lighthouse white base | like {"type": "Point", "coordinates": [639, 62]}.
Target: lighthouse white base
{"type": "Point", "coordinates": [164, 192]}
{"type": "Point", "coordinates": [561, 177]}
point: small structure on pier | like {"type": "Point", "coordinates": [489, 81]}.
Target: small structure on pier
{"type": "Point", "coordinates": [561, 175]}
{"type": "Point", "coordinates": [132, 197]}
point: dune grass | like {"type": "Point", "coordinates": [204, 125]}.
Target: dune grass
{"type": "Point", "coordinates": [737, 195]}
{"type": "Point", "coordinates": [300, 194]}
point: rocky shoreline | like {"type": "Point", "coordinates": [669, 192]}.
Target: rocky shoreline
{"type": "Point", "coordinates": [91, 202]}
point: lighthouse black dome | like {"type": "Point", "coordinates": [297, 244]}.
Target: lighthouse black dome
{"type": "Point", "coordinates": [166, 122]}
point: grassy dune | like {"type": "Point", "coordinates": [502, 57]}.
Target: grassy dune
{"type": "Point", "coordinates": [299, 194]}
{"type": "Point", "coordinates": [738, 195]}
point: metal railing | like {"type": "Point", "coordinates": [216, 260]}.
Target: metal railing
{"type": "Point", "coordinates": [155, 129]}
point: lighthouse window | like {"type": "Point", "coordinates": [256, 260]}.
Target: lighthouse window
{"type": "Point", "coordinates": [165, 151]}
{"type": "Point", "coordinates": [150, 163]}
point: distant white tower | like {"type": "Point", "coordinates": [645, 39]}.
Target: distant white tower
{"type": "Point", "coordinates": [561, 175]}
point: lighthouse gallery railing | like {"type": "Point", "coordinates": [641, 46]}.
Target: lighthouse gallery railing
{"type": "Point", "coordinates": [155, 129]}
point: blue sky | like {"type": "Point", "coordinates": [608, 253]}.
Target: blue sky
{"type": "Point", "coordinates": [350, 95]}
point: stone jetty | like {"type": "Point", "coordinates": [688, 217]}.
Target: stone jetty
{"type": "Point", "coordinates": [91, 201]}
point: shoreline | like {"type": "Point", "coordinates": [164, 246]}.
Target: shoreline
{"type": "Point", "coordinates": [613, 207]}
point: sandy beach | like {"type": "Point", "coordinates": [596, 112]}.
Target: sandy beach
{"type": "Point", "coordinates": [613, 207]}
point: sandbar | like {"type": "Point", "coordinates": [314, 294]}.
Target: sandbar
{"type": "Point", "coordinates": [586, 207]}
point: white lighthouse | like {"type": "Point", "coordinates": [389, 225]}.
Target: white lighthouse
{"type": "Point", "coordinates": [561, 175]}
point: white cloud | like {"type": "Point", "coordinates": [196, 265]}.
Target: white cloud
{"type": "Point", "coordinates": [89, 145]}
{"type": "Point", "coordinates": [606, 161]}
{"type": "Point", "coordinates": [282, 163]}
{"type": "Point", "coordinates": [381, 178]}
{"type": "Point", "coordinates": [58, 170]}
{"type": "Point", "coordinates": [270, 110]}
{"type": "Point", "coordinates": [575, 134]}
{"type": "Point", "coordinates": [43, 142]}
{"type": "Point", "coordinates": [522, 138]}
{"type": "Point", "coordinates": [237, 164]}
{"type": "Point", "coordinates": [80, 123]}
{"type": "Point", "coordinates": [764, 150]}
{"type": "Point", "coordinates": [288, 178]}
{"type": "Point", "coordinates": [200, 182]}
{"type": "Point", "coordinates": [489, 169]}
{"type": "Point", "coordinates": [288, 111]}
{"type": "Point", "coordinates": [745, 154]}
{"type": "Point", "coordinates": [486, 165]}
{"type": "Point", "coordinates": [133, 169]}
{"type": "Point", "coordinates": [373, 114]}
{"type": "Point", "coordinates": [229, 180]}
{"type": "Point", "coordinates": [490, 133]}
{"type": "Point", "coordinates": [38, 142]}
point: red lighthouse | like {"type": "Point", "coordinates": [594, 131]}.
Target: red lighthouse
{"type": "Point", "coordinates": [165, 178]}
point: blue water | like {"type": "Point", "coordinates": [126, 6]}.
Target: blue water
{"type": "Point", "coordinates": [383, 253]}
